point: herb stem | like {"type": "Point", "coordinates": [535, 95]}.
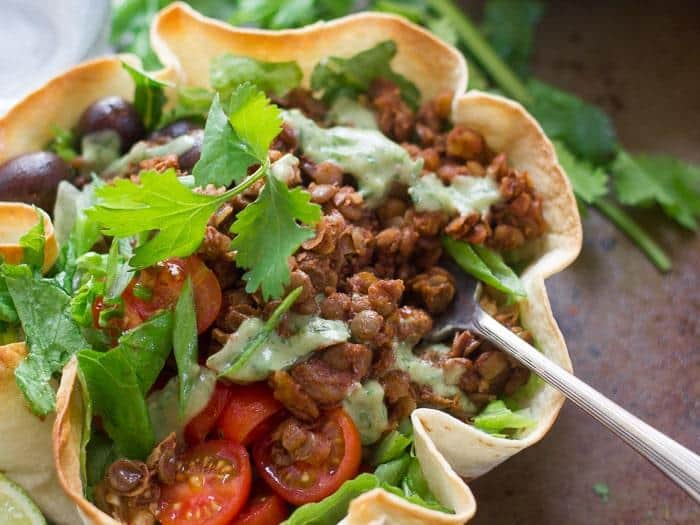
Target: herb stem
{"type": "Point", "coordinates": [625, 223]}
{"type": "Point", "coordinates": [246, 183]}
{"type": "Point", "coordinates": [254, 344]}
{"type": "Point", "coordinates": [482, 51]}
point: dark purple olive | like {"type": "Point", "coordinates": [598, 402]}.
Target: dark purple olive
{"type": "Point", "coordinates": [175, 129]}
{"type": "Point", "coordinates": [116, 114]}
{"type": "Point", "coordinates": [33, 178]}
{"type": "Point", "coordinates": [189, 158]}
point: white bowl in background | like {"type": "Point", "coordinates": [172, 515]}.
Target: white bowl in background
{"type": "Point", "coordinates": [40, 38]}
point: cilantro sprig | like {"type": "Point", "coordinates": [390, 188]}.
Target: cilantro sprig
{"type": "Point", "coordinates": [267, 232]}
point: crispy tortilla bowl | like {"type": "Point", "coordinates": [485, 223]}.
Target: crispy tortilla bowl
{"type": "Point", "coordinates": [186, 42]}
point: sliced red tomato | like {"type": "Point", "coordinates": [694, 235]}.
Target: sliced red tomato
{"type": "Point", "coordinates": [158, 288]}
{"type": "Point", "coordinates": [200, 425]}
{"type": "Point", "coordinates": [264, 509]}
{"type": "Point", "coordinates": [300, 482]}
{"type": "Point", "coordinates": [212, 486]}
{"type": "Point", "coordinates": [249, 409]}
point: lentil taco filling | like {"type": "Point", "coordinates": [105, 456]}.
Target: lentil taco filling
{"type": "Point", "coordinates": [283, 339]}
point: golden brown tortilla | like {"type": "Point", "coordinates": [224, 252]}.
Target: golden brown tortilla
{"type": "Point", "coordinates": [186, 42]}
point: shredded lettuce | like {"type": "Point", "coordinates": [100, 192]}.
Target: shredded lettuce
{"type": "Point", "coordinates": [228, 71]}
{"type": "Point", "coordinates": [499, 420]}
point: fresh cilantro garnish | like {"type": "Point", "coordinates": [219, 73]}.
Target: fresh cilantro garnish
{"type": "Point", "coordinates": [644, 179]}
{"type": "Point", "coordinates": [149, 96]}
{"type": "Point", "coordinates": [278, 14]}
{"type": "Point", "coordinates": [267, 233]}
{"type": "Point", "coordinates": [228, 71]}
{"type": "Point", "coordinates": [336, 76]}
{"type": "Point", "coordinates": [234, 142]}
{"type": "Point", "coordinates": [268, 230]}
{"type": "Point", "coordinates": [589, 183]}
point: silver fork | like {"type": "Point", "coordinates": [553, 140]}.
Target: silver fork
{"type": "Point", "coordinates": [673, 459]}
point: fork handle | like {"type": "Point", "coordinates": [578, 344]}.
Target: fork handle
{"type": "Point", "coordinates": [672, 458]}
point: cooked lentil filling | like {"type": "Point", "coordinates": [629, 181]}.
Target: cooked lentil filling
{"type": "Point", "coordinates": [371, 281]}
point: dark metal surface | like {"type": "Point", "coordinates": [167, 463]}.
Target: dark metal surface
{"type": "Point", "coordinates": [633, 333]}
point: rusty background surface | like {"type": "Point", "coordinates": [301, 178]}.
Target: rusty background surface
{"type": "Point", "coordinates": [633, 333]}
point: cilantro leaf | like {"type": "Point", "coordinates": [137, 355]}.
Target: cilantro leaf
{"type": "Point", "coordinates": [589, 182]}
{"type": "Point", "coordinates": [644, 179]}
{"type": "Point", "coordinates": [336, 76]}
{"type": "Point", "coordinates": [484, 264]}
{"type": "Point", "coordinates": [582, 127]}
{"type": "Point", "coordinates": [33, 242]}
{"type": "Point", "coordinates": [228, 71]}
{"type": "Point", "coordinates": [235, 142]}
{"type": "Point", "coordinates": [267, 233]}
{"type": "Point", "coordinates": [255, 120]}
{"type": "Point", "coordinates": [52, 335]}
{"type": "Point", "coordinates": [160, 202]}
{"type": "Point", "coordinates": [509, 26]}
{"type": "Point", "coordinates": [149, 96]}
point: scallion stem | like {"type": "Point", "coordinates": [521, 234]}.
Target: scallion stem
{"type": "Point", "coordinates": [625, 223]}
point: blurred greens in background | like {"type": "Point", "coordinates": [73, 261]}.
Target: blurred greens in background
{"type": "Point", "coordinates": [498, 49]}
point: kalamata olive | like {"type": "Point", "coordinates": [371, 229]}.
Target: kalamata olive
{"type": "Point", "coordinates": [175, 129]}
{"type": "Point", "coordinates": [33, 178]}
{"type": "Point", "coordinates": [116, 114]}
{"type": "Point", "coordinates": [189, 158]}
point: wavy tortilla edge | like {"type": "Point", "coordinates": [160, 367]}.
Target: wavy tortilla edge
{"type": "Point", "coordinates": [446, 441]}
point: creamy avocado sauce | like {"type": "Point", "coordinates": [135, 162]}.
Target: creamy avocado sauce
{"type": "Point", "coordinates": [163, 404]}
{"type": "Point", "coordinates": [464, 195]}
{"type": "Point", "coordinates": [374, 160]}
{"type": "Point", "coordinates": [283, 168]}
{"type": "Point", "coordinates": [349, 112]}
{"type": "Point", "coordinates": [423, 372]}
{"type": "Point", "coordinates": [365, 405]}
{"type": "Point", "coordinates": [277, 353]}
{"type": "Point", "coordinates": [143, 150]}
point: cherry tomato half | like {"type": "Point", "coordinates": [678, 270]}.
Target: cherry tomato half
{"type": "Point", "coordinates": [249, 409]}
{"type": "Point", "coordinates": [200, 425]}
{"type": "Point", "coordinates": [265, 509]}
{"type": "Point", "coordinates": [301, 482]}
{"type": "Point", "coordinates": [212, 486]}
{"type": "Point", "coordinates": [158, 287]}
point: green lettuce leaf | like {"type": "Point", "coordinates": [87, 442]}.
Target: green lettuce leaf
{"type": "Point", "coordinates": [33, 242]}
{"type": "Point", "coordinates": [63, 143]}
{"type": "Point", "coordinates": [393, 445]}
{"type": "Point", "coordinates": [117, 397]}
{"type": "Point", "coordinates": [336, 76]}
{"type": "Point", "coordinates": [280, 14]}
{"type": "Point", "coordinates": [185, 345]}
{"type": "Point", "coordinates": [498, 419]}
{"type": "Point", "coordinates": [149, 96]}
{"type": "Point", "coordinates": [51, 333]}
{"type": "Point", "coordinates": [227, 72]}
{"type": "Point", "coordinates": [484, 264]}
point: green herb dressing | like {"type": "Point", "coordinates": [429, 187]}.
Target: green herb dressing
{"type": "Point", "coordinates": [348, 112]}
{"type": "Point", "coordinates": [143, 150]}
{"type": "Point", "coordinates": [374, 160]}
{"type": "Point", "coordinates": [365, 405]}
{"type": "Point", "coordinates": [284, 167]}
{"type": "Point", "coordinates": [277, 353]}
{"type": "Point", "coordinates": [163, 404]}
{"type": "Point", "coordinates": [464, 195]}
{"type": "Point", "coordinates": [423, 372]}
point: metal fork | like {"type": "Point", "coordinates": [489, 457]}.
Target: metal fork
{"type": "Point", "coordinates": [673, 459]}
